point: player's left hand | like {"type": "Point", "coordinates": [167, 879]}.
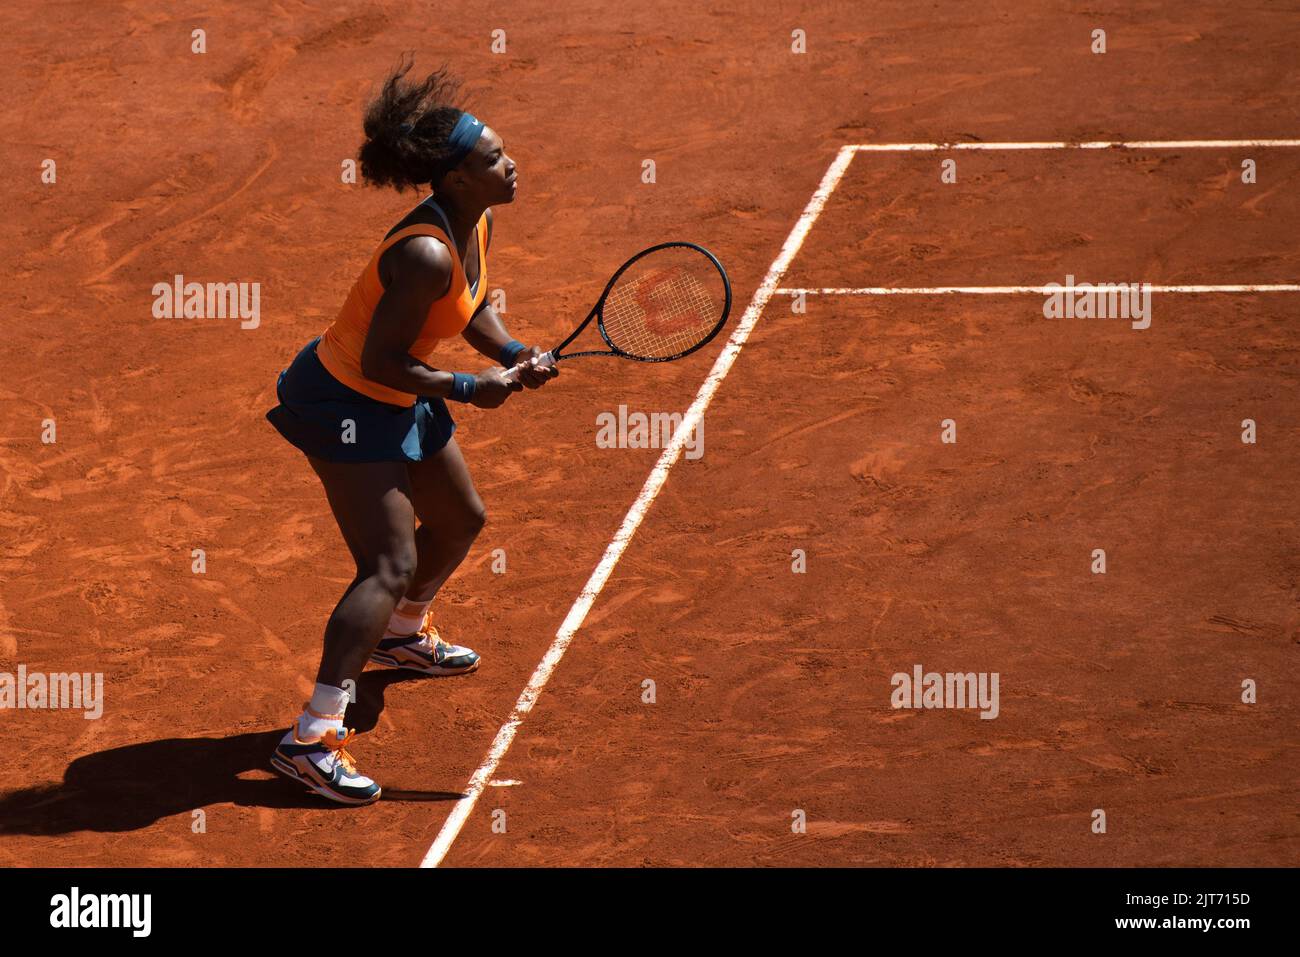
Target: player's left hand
{"type": "Point", "coordinates": [530, 375]}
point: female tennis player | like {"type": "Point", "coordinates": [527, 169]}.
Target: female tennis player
{"type": "Point", "coordinates": [365, 404]}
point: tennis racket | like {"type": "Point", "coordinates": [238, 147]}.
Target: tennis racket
{"type": "Point", "coordinates": [662, 304]}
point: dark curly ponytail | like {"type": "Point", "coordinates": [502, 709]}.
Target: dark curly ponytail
{"type": "Point", "coordinates": [407, 126]}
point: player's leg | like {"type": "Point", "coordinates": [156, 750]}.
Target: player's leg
{"type": "Point", "coordinates": [451, 515]}
{"type": "Point", "coordinates": [372, 505]}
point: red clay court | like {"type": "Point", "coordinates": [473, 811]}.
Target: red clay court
{"type": "Point", "coordinates": [817, 172]}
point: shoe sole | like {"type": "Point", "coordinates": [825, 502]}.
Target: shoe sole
{"type": "Point", "coordinates": [288, 769]}
{"type": "Point", "coordinates": [434, 671]}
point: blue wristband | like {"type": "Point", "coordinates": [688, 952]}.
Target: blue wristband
{"type": "Point", "coordinates": [510, 352]}
{"type": "Point", "coordinates": [462, 387]}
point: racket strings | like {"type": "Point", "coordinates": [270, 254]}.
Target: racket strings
{"type": "Point", "coordinates": [660, 313]}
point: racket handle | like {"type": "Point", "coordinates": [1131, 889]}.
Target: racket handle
{"type": "Point", "coordinates": [544, 361]}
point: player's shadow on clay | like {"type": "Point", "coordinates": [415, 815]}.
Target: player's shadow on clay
{"type": "Point", "coordinates": [131, 787]}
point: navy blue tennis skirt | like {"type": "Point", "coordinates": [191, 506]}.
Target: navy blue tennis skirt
{"type": "Point", "coordinates": [326, 419]}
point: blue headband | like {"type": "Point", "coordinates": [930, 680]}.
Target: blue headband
{"type": "Point", "coordinates": [464, 135]}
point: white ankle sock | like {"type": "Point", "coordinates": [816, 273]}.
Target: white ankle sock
{"type": "Point", "coordinates": [407, 617]}
{"type": "Point", "coordinates": [325, 700]}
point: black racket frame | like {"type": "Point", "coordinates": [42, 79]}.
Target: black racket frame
{"type": "Point", "coordinates": [597, 312]}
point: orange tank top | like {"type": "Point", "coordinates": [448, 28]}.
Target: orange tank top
{"type": "Point", "coordinates": [340, 346]}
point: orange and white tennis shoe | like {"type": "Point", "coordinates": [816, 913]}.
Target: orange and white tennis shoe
{"type": "Point", "coordinates": [325, 766]}
{"type": "Point", "coordinates": [425, 652]}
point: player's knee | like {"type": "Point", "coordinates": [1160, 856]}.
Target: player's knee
{"type": "Point", "coordinates": [394, 571]}
{"type": "Point", "coordinates": [469, 521]}
{"type": "Point", "coordinates": [475, 518]}
{"type": "Point", "coordinates": [461, 524]}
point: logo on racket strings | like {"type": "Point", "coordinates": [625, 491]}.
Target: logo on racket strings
{"type": "Point", "coordinates": [671, 302]}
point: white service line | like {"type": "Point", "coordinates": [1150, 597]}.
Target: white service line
{"type": "Point", "coordinates": [1062, 145]}
{"type": "Point", "coordinates": [632, 521]}
{"type": "Point", "coordinates": [1015, 290]}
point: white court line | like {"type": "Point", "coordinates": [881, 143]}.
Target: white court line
{"type": "Point", "coordinates": [1014, 290]}
{"type": "Point", "coordinates": [632, 521]}
{"type": "Point", "coordinates": [1062, 145]}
